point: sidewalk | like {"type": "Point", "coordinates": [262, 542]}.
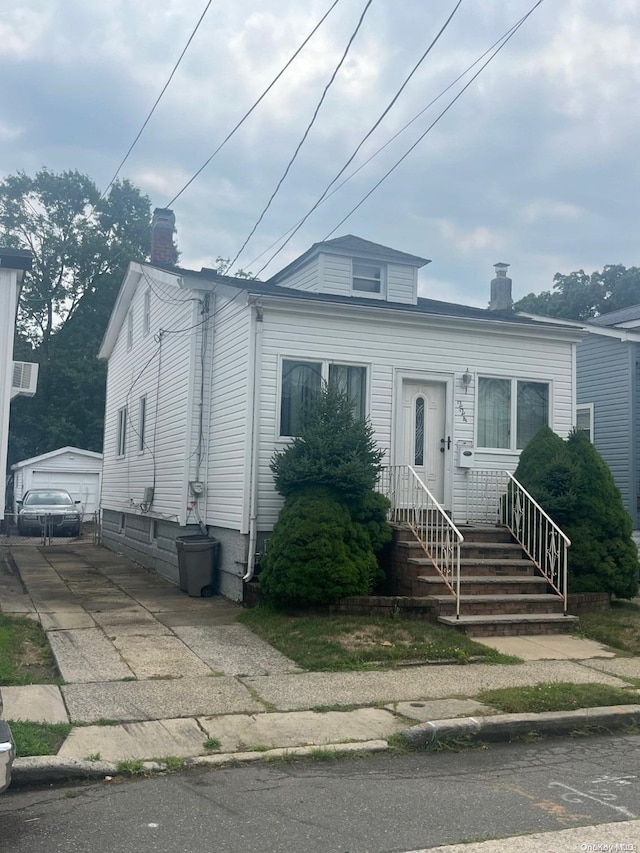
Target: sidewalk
{"type": "Point", "coordinates": [150, 673]}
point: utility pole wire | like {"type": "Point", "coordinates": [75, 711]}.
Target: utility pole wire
{"type": "Point", "coordinates": [365, 137]}
{"type": "Point", "coordinates": [158, 99]}
{"type": "Point", "coordinates": [304, 136]}
{"type": "Point", "coordinates": [252, 108]}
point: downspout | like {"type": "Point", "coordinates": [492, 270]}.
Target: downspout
{"type": "Point", "coordinates": [255, 442]}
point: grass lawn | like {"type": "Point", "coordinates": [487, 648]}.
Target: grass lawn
{"type": "Point", "coordinates": [618, 627]}
{"type": "Point", "coordinates": [362, 642]}
{"type": "Point", "coordinates": [38, 738]}
{"type": "Point", "coordinates": [25, 656]}
{"type": "Point", "coordinates": [556, 696]}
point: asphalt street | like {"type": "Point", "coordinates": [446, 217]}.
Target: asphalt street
{"type": "Point", "coordinates": [369, 804]}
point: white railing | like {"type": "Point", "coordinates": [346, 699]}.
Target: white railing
{"type": "Point", "coordinates": [413, 503]}
{"type": "Point", "coordinates": [496, 497]}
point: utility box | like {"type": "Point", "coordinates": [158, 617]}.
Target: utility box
{"type": "Point", "coordinates": [466, 454]}
{"type": "Point", "coordinates": [197, 564]}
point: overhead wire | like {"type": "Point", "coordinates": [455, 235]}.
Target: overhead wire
{"type": "Point", "coordinates": [304, 135]}
{"type": "Point", "coordinates": [158, 99]}
{"type": "Point", "coordinates": [436, 120]}
{"type": "Point", "coordinates": [366, 136]}
{"type": "Point", "coordinates": [256, 103]}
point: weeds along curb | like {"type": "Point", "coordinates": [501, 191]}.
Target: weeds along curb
{"type": "Point", "coordinates": [508, 727]}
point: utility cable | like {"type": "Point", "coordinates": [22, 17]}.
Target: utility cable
{"type": "Point", "coordinates": [158, 99]}
{"type": "Point", "coordinates": [304, 135]}
{"type": "Point", "coordinates": [433, 123]}
{"type": "Point", "coordinates": [365, 137]}
{"type": "Point", "coordinates": [252, 108]}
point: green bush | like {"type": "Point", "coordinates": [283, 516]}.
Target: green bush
{"type": "Point", "coordinates": [316, 554]}
{"type": "Point", "coordinates": [572, 482]}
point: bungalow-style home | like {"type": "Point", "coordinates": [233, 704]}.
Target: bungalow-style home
{"type": "Point", "coordinates": [608, 398]}
{"type": "Point", "coordinates": [77, 471]}
{"type": "Point", "coordinates": [15, 377]}
{"type": "Point", "coordinates": [206, 374]}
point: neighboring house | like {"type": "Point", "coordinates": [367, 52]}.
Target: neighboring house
{"type": "Point", "coordinates": [71, 468]}
{"type": "Point", "coordinates": [206, 373]}
{"type": "Point", "coordinates": [608, 397]}
{"type": "Point", "coordinates": [15, 377]}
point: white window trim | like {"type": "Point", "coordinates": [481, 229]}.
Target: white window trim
{"type": "Point", "coordinates": [121, 433]}
{"type": "Point", "coordinates": [589, 408]}
{"type": "Point", "coordinates": [142, 422]}
{"type": "Point", "coordinates": [513, 450]}
{"type": "Point", "coordinates": [146, 315]}
{"type": "Point", "coordinates": [365, 294]}
{"type": "Point", "coordinates": [324, 373]}
{"type": "Point", "coordinates": [130, 330]}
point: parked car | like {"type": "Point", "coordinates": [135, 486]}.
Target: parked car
{"type": "Point", "coordinates": [54, 507]}
{"type": "Point", "coordinates": [7, 752]}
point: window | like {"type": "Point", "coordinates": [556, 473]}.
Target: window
{"type": "Point", "coordinates": [146, 315]}
{"type": "Point", "coordinates": [302, 380]}
{"type": "Point", "coordinates": [510, 412]}
{"type": "Point", "coordinates": [584, 419]}
{"type": "Point", "coordinates": [367, 278]}
{"type": "Point", "coordinates": [121, 440]}
{"type": "Point", "coordinates": [142, 422]}
{"type": "Point", "coordinates": [129, 330]}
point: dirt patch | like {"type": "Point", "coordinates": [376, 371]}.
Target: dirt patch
{"type": "Point", "coordinates": [372, 637]}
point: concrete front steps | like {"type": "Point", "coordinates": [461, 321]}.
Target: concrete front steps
{"type": "Point", "coordinates": [501, 591]}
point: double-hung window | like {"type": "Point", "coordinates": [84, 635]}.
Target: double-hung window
{"type": "Point", "coordinates": [146, 313]}
{"type": "Point", "coordinates": [129, 330]}
{"type": "Point", "coordinates": [121, 438]}
{"type": "Point", "coordinates": [510, 412]}
{"type": "Point", "coordinates": [302, 380]}
{"type": "Point", "coordinates": [584, 419]}
{"type": "Point", "coordinates": [142, 422]}
{"type": "Point", "coordinates": [367, 279]}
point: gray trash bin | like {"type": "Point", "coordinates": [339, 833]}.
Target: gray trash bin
{"type": "Point", "coordinates": [196, 564]}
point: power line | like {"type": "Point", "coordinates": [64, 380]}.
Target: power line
{"type": "Point", "coordinates": [252, 108]}
{"type": "Point", "coordinates": [304, 135]}
{"type": "Point", "coordinates": [397, 134]}
{"type": "Point", "coordinates": [158, 99]}
{"type": "Point", "coordinates": [444, 111]}
{"type": "Point", "coordinates": [366, 136]}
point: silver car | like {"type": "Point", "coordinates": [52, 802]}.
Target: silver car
{"type": "Point", "coordinates": [7, 752]}
{"type": "Point", "coordinates": [50, 509]}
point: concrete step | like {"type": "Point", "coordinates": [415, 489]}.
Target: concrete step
{"type": "Point", "coordinates": [502, 550]}
{"type": "Point", "coordinates": [489, 584]}
{"type": "Point", "coordinates": [469, 567]}
{"type": "Point", "coordinates": [470, 605]}
{"type": "Point", "coordinates": [485, 533]}
{"type": "Point", "coordinates": [511, 624]}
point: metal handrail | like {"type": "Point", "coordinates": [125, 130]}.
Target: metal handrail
{"type": "Point", "coordinates": [496, 496]}
{"type": "Point", "coordinates": [413, 503]}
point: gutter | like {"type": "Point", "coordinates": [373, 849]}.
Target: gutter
{"type": "Point", "coordinates": [255, 385]}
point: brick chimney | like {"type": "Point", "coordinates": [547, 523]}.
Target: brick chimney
{"type": "Point", "coordinates": [163, 226]}
{"type": "Point", "coordinates": [501, 289]}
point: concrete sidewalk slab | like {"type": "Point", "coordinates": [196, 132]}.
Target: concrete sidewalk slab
{"type": "Point", "coordinates": [86, 655]}
{"type": "Point", "coordinates": [440, 709]}
{"type": "Point", "coordinates": [295, 692]}
{"type": "Point", "coordinates": [38, 703]}
{"type": "Point", "coordinates": [66, 620]}
{"type": "Point", "coordinates": [240, 733]}
{"type": "Point", "coordinates": [548, 647]}
{"type": "Point", "coordinates": [198, 618]}
{"type": "Point", "coordinates": [157, 739]}
{"type": "Point", "coordinates": [16, 603]}
{"type": "Point", "coordinates": [235, 650]}
{"type": "Point", "coordinates": [136, 701]}
{"type": "Point", "coordinates": [160, 657]}
{"type": "Point", "coordinates": [623, 667]}
{"type": "Point", "coordinates": [133, 620]}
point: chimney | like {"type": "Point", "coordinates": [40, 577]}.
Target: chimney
{"type": "Point", "coordinates": [501, 289]}
{"type": "Point", "coordinates": [163, 226]}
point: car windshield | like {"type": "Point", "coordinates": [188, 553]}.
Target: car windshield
{"type": "Point", "coordinates": [48, 499]}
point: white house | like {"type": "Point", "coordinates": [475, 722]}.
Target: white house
{"type": "Point", "coordinates": [71, 468]}
{"type": "Point", "coordinates": [15, 377]}
{"type": "Point", "coordinates": [205, 374]}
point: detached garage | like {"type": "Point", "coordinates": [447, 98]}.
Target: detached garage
{"type": "Point", "coordinates": [71, 468]}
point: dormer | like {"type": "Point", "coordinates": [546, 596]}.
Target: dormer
{"type": "Point", "coordinates": [351, 266]}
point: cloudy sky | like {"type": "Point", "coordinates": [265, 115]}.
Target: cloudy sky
{"type": "Point", "coordinates": [536, 164]}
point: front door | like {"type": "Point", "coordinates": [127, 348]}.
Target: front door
{"type": "Point", "coordinates": [423, 433]}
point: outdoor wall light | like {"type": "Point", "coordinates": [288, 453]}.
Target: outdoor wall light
{"type": "Point", "coordinates": [467, 379]}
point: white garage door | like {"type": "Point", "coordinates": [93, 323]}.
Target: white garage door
{"type": "Point", "coordinates": [83, 486]}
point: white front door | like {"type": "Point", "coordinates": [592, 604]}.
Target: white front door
{"type": "Point", "coordinates": [423, 433]}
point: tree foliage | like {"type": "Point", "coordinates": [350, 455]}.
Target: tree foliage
{"type": "Point", "coordinates": [574, 485]}
{"type": "Point", "coordinates": [81, 245]}
{"type": "Point", "coordinates": [580, 296]}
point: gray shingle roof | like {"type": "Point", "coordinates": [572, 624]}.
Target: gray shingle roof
{"type": "Point", "coordinates": [623, 315]}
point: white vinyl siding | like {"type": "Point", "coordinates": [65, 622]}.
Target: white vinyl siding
{"type": "Point", "coordinates": [306, 277]}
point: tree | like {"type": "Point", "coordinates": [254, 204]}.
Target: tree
{"type": "Point", "coordinates": [579, 296]}
{"type": "Point", "coordinates": [81, 244]}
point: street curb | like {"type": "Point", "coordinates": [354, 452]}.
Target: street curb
{"type": "Point", "coordinates": [508, 727]}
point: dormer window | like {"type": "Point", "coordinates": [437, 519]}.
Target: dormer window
{"type": "Point", "coordinates": [367, 279]}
